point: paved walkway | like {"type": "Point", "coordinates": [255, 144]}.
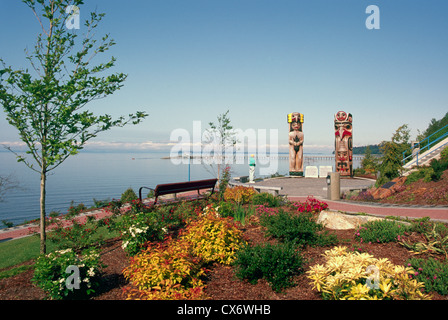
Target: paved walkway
{"type": "Point", "coordinates": [298, 189]}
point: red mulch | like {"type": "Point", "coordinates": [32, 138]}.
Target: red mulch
{"type": "Point", "coordinates": [422, 193]}
{"type": "Point", "coordinates": [221, 283]}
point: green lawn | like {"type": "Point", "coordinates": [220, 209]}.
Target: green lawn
{"type": "Point", "coordinates": [15, 252]}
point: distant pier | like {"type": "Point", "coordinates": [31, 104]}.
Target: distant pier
{"type": "Point", "coordinates": [309, 158]}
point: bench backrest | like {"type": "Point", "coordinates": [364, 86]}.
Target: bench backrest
{"type": "Point", "coordinates": [169, 188]}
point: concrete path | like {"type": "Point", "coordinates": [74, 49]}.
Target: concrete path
{"type": "Point", "coordinates": [317, 187]}
{"type": "Point", "coordinates": [298, 189]}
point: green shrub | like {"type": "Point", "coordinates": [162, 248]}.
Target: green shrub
{"type": "Point", "coordinates": [425, 173]}
{"type": "Point", "coordinates": [138, 229]}
{"type": "Point", "coordinates": [425, 225]}
{"type": "Point", "coordinates": [101, 203]}
{"type": "Point", "coordinates": [433, 273]}
{"type": "Point", "coordinates": [75, 210]}
{"type": "Point", "coordinates": [439, 166]}
{"type": "Point", "coordinates": [433, 172]}
{"type": "Point", "coordinates": [436, 242]}
{"type": "Point", "coordinates": [226, 209]}
{"type": "Point", "coordinates": [421, 225]}
{"type": "Point", "coordinates": [267, 200]}
{"type": "Point", "coordinates": [277, 264]}
{"type": "Point", "coordinates": [299, 228]}
{"type": "Point", "coordinates": [128, 196]}
{"type": "Point", "coordinates": [52, 274]}
{"type": "Point", "coordinates": [78, 235]}
{"type": "Point", "coordinates": [444, 154]}
{"type": "Point", "coordinates": [381, 231]}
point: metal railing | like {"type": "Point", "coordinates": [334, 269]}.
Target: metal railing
{"type": "Point", "coordinates": [427, 144]}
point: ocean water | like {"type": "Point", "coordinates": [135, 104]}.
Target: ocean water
{"type": "Point", "coordinates": [102, 176]}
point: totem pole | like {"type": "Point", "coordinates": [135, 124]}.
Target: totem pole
{"type": "Point", "coordinates": [343, 143]}
{"type": "Point", "coordinates": [295, 121]}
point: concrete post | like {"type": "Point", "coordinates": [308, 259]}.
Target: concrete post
{"type": "Point", "coordinates": [334, 187]}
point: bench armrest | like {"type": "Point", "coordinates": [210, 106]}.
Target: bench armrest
{"type": "Point", "coordinates": [140, 192]}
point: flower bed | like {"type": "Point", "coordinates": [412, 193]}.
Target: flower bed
{"type": "Point", "coordinates": [203, 255]}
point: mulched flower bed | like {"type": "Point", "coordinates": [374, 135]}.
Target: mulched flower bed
{"type": "Point", "coordinates": [422, 193]}
{"type": "Point", "coordinates": [221, 281]}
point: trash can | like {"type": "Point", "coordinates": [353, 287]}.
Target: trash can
{"type": "Point", "coordinates": [333, 186]}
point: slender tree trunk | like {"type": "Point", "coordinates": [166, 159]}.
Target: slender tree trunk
{"type": "Point", "coordinates": [43, 182]}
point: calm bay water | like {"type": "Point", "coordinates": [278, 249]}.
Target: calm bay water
{"type": "Point", "coordinates": [102, 176]}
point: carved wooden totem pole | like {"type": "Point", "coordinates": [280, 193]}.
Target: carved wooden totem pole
{"type": "Point", "coordinates": [343, 143]}
{"type": "Point", "coordinates": [295, 121]}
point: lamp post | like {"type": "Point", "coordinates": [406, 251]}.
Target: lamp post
{"type": "Point", "coordinates": [189, 158]}
{"type": "Point", "coordinates": [333, 186]}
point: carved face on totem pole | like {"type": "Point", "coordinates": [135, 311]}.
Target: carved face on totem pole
{"type": "Point", "coordinates": [343, 143]}
{"type": "Point", "coordinates": [295, 121]}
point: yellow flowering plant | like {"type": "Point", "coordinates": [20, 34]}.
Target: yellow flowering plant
{"type": "Point", "coordinates": [163, 271]}
{"type": "Point", "coordinates": [360, 276]}
{"type": "Point", "coordinates": [173, 269]}
{"type": "Point", "coordinates": [213, 238]}
{"type": "Point", "coordinates": [239, 194]}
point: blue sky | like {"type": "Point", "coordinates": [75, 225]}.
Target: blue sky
{"type": "Point", "coordinates": [191, 60]}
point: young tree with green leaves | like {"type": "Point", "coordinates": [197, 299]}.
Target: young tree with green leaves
{"type": "Point", "coordinates": [369, 162]}
{"type": "Point", "coordinates": [46, 105]}
{"type": "Point", "coordinates": [391, 165]}
{"type": "Point", "coordinates": [223, 137]}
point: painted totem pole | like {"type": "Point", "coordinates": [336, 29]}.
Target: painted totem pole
{"type": "Point", "coordinates": [343, 143]}
{"type": "Point", "coordinates": [295, 122]}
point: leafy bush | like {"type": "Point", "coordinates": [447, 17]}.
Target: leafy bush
{"type": "Point", "coordinates": [100, 203]}
{"type": "Point", "coordinates": [138, 229]}
{"type": "Point", "coordinates": [425, 173]}
{"type": "Point", "coordinates": [79, 234]}
{"type": "Point", "coordinates": [152, 224]}
{"type": "Point", "coordinates": [267, 200]}
{"type": "Point", "coordinates": [301, 229]}
{"type": "Point", "coordinates": [348, 275]}
{"type": "Point", "coordinates": [381, 231]}
{"type": "Point", "coordinates": [226, 209]}
{"type": "Point", "coordinates": [444, 153]}
{"type": "Point", "coordinates": [52, 275]}
{"type": "Point", "coordinates": [364, 196]}
{"type": "Point", "coordinates": [213, 238]}
{"type": "Point", "coordinates": [128, 195]}
{"type": "Point", "coordinates": [436, 239]}
{"type": "Point", "coordinates": [224, 182]}
{"type": "Point", "coordinates": [165, 271]}
{"type": "Point", "coordinates": [75, 210]}
{"type": "Point", "coordinates": [426, 226]}
{"type": "Point", "coordinates": [433, 273]}
{"type": "Point", "coordinates": [236, 211]}
{"type": "Point", "coordinates": [310, 205]}
{"type": "Point", "coordinates": [262, 210]}
{"type": "Point", "coordinates": [433, 172]}
{"type": "Point", "coordinates": [172, 269]}
{"type": "Point", "coordinates": [277, 264]}
{"type": "Point", "coordinates": [239, 194]}
{"type": "Point", "coordinates": [439, 166]}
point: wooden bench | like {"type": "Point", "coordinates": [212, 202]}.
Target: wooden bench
{"type": "Point", "coordinates": [178, 187]}
{"type": "Point", "coordinates": [272, 190]}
